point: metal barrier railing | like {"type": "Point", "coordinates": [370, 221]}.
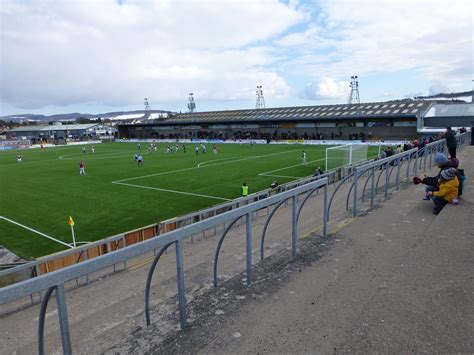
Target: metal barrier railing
{"type": "Point", "coordinates": [412, 160]}
{"type": "Point", "coordinates": [119, 240]}
{"type": "Point", "coordinates": [416, 160]}
{"type": "Point", "coordinates": [55, 281]}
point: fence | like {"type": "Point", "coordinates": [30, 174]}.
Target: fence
{"type": "Point", "coordinates": [406, 164]}
{"type": "Point", "coordinates": [54, 281]}
{"type": "Point", "coordinates": [91, 250]}
{"type": "Point", "coordinates": [76, 255]}
{"type": "Point", "coordinates": [344, 175]}
{"type": "Point", "coordinates": [410, 163]}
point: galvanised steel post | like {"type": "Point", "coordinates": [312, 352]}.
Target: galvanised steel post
{"type": "Point", "coordinates": [87, 258]}
{"type": "Point", "coordinates": [399, 164]}
{"type": "Point", "coordinates": [386, 179]}
{"type": "Point", "coordinates": [294, 228]}
{"type": "Point", "coordinates": [372, 188]}
{"type": "Point", "coordinates": [424, 159]}
{"type": "Point", "coordinates": [123, 246]}
{"type": "Point", "coordinates": [354, 207]}
{"type": "Point", "coordinates": [431, 157]}
{"type": "Point", "coordinates": [415, 167]}
{"type": "Point", "coordinates": [180, 274]}
{"type": "Point", "coordinates": [408, 167]}
{"type": "Point", "coordinates": [325, 211]}
{"type": "Point", "coordinates": [63, 321]}
{"type": "Point", "coordinates": [248, 237]}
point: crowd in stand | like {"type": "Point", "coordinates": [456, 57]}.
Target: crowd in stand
{"type": "Point", "coordinates": [276, 135]}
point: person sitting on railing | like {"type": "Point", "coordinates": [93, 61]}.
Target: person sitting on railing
{"type": "Point", "coordinates": [448, 190]}
{"type": "Point", "coordinates": [431, 182]}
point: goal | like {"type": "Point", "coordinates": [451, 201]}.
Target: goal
{"type": "Point", "coordinates": [14, 144]}
{"type": "Point", "coordinates": [346, 154]}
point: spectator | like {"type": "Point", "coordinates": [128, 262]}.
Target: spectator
{"type": "Point", "coordinates": [451, 142]}
{"type": "Point", "coordinates": [318, 171]}
{"type": "Point", "coordinates": [432, 182]}
{"type": "Point", "coordinates": [448, 190]}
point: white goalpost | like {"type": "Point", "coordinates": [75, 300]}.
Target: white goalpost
{"type": "Point", "coordinates": [346, 154]}
{"type": "Point", "coordinates": [14, 144]}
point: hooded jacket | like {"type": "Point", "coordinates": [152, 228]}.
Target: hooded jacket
{"type": "Point", "coordinates": [448, 189]}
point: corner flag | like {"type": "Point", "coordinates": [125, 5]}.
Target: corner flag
{"type": "Point", "coordinates": [70, 221]}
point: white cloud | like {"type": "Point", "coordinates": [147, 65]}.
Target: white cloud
{"type": "Point", "coordinates": [438, 88]}
{"type": "Point", "coordinates": [431, 38]}
{"type": "Point", "coordinates": [326, 89]}
{"type": "Point", "coordinates": [101, 52]}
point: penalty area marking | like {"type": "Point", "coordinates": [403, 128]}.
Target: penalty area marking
{"type": "Point", "coordinates": [94, 156]}
{"type": "Point", "coordinates": [173, 191]}
{"type": "Point", "coordinates": [37, 232]}
{"type": "Point", "coordinates": [122, 182]}
{"type": "Point", "coordinates": [267, 173]}
{"type": "Point", "coordinates": [213, 160]}
{"type": "Point", "coordinates": [197, 167]}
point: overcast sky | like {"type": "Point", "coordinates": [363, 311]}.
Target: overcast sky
{"type": "Point", "coordinates": [95, 56]}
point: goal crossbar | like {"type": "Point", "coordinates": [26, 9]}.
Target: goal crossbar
{"type": "Point", "coordinates": [345, 154]}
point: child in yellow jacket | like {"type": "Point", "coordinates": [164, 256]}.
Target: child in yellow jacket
{"type": "Point", "coordinates": [448, 190]}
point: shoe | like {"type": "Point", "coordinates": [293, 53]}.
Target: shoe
{"type": "Point", "coordinates": [455, 201]}
{"type": "Point", "coordinates": [426, 198]}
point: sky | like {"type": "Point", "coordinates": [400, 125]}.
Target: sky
{"type": "Point", "coordinates": [97, 56]}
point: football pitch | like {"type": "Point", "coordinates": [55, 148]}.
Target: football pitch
{"type": "Point", "coordinates": [117, 194]}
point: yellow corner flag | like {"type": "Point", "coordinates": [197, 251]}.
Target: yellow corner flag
{"type": "Point", "coordinates": [70, 221]}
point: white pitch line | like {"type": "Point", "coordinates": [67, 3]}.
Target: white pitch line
{"type": "Point", "coordinates": [37, 232]}
{"type": "Point", "coordinates": [209, 161]}
{"type": "Point", "coordinates": [173, 191]}
{"type": "Point", "coordinates": [195, 167]}
{"type": "Point", "coordinates": [94, 156]}
{"type": "Point", "coordinates": [282, 176]}
{"type": "Point", "coordinates": [288, 167]}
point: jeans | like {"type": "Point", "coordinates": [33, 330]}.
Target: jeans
{"type": "Point", "coordinates": [430, 188]}
{"type": "Point", "coordinates": [452, 152]}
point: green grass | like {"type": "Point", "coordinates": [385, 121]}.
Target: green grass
{"type": "Point", "coordinates": [44, 190]}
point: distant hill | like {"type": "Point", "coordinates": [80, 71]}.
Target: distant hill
{"type": "Point", "coordinates": [119, 115]}
{"type": "Point", "coordinates": [454, 96]}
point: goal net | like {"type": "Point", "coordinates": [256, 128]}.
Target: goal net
{"type": "Point", "coordinates": [346, 154]}
{"type": "Point", "coordinates": [14, 144]}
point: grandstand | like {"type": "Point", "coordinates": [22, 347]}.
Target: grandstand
{"type": "Point", "coordinates": [384, 120]}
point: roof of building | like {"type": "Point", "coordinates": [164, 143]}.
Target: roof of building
{"type": "Point", "coordinates": [47, 128]}
{"type": "Point", "coordinates": [367, 110]}
{"type": "Point", "coordinates": [451, 110]}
